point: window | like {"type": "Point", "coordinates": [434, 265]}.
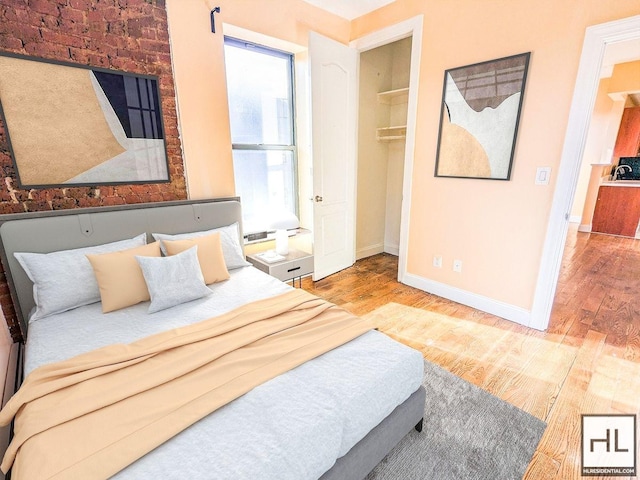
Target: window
{"type": "Point", "coordinates": [260, 89]}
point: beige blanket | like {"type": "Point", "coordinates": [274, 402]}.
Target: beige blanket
{"type": "Point", "coordinates": [92, 415]}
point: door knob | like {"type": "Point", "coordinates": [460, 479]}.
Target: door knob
{"type": "Point", "coordinates": [318, 198]}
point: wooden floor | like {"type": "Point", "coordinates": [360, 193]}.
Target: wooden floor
{"type": "Point", "coordinates": [587, 362]}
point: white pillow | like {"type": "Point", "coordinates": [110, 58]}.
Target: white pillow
{"type": "Point", "coordinates": [229, 238]}
{"type": "Point", "coordinates": [173, 280]}
{"type": "Point", "coordinates": [64, 280]}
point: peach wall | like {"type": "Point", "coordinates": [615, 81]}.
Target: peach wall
{"type": "Point", "coordinates": [496, 228]}
{"type": "Point", "coordinates": [198, 65]}
{"type": "Point", "coordinates": [625, 78]}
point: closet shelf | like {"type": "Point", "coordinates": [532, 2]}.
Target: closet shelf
{"type": "Point", "coordinates": [388, 134]}
{"type": "Point", "coordinates": [399, 95]}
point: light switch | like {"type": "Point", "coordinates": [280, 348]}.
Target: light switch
{"type": "Point", "coordinates": [542, 175]}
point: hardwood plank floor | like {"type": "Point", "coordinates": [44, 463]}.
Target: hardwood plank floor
{"type": "Point", "coordinates": [588, 361]}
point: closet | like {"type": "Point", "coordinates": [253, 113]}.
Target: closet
{"type": "Point", "coordinates": [382, 127]}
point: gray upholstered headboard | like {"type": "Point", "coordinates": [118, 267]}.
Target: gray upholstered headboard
{"type": "Point", "coordinates": [44, 232]}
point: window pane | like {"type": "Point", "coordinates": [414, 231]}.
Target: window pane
{"type": "Point", "coordinates": [259, 88]}
{"type": "Point", "coordinates": [265, 184]}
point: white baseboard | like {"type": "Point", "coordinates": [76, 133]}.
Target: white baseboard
{"type": "Point", "coordinates": [392, 249]}
{"type": "Point", "coordinates": [584, 228]}
{"type": "Point", "coordinates": [369, 251]}
{"type": "Point", "coordinates": [480, 302]}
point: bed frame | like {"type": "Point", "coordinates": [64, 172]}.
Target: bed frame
{"type": "Point", "coordinates": [45, 232]}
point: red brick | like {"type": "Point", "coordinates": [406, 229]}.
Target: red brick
{"type": "Point", "coordinates": [111, 14]}
{"type": "Point", "coordinates": [89, 202]}
{"type": "Point", "coordinates": [40, 195]}
{"type": "Point", "coordinates": [74, 28]}
{"type": "Point", "coordinates": [84, 5]}
{"type": "Point", "coordinates": [63, 203]}
{"type": "Point", "coordinates": [57, 193]}
{"type": "Point", "coordinates": [34, 206]}
{"type": "Point", "coordinates": [13, 14]}
{"type": "Point", "coordinates": [113, 201]}
{"type": "Point", "coordinates": [11, 208]}
{"type": "Point", "coordinates": [47, 50]}
{"type": "Point", "coordinates": [11, 43]}
{"type": "Point", "coordinates": [21, 31]}
{"type": "Point", "coordinates": [44, 6]}
{"type": "Point", "coordinates": [117, 29]}
{"type": "Point", "coordinates": [51, 22]}
{"type": "Point", "coordinates": [140, 189]}
{"type": "Point", "coordinates": [124, 65]}
{"type": "Point", "coordinates": [153, 45]}
{"type": "Point", "coordinates": [62, 38]}
{"type": "Point", "coordinates": [95, 16]}
{"type": "Point", "coordinates": [150, 33]}
{"type": "Point", "coordinates": [21, 195]}
{"type": "Point", "coordinates": [122, 190]}
{"type": "Point", "coordinates": [170, 196]}
{"type": "Point", "coordinates": [78, 192]}
{"type": "Point", "coordinates": [5, 196]}
{"type": "Point", "coordinates": [75, 15]}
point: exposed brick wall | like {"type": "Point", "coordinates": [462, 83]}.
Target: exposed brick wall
{"type": "Point", "coordinates": [125, 35]}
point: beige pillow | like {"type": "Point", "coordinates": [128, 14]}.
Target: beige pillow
{"type": "Point", "coordinates": [210, 255]}
{"type": "Point", "coordinates": [120, 278]}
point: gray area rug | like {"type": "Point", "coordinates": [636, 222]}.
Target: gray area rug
{"type": "Point", "coordinates": [468, 434]}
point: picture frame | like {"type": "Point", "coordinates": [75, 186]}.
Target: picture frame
{"type": "Point", "coordinates": [74, 125]}
{"type": "Point", "coordinates": [479, 118]}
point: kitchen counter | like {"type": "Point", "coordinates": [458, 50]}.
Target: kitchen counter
{"type": "Point", "coordinates": [622, 183]}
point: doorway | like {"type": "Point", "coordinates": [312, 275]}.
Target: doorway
{"type": "Point", "coordinates": [382, 124]}
{"type": "Point", "coordinates": [596, 40]}
{"type": "Point", "coordinates": [409, 32]}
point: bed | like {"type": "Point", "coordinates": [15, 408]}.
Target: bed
{"type": "Point", "coordinates": [333, 417]}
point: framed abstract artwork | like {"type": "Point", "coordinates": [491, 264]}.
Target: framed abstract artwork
{"type": "Point", "coordinates": [73, 125]}
{"type": "Point", "coordinates": [479, 118]}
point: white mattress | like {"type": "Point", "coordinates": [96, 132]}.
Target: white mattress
{"type": "Point", "coordinates": [292, 427]}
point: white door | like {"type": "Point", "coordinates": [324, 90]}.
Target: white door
{"type": "Point", "coordinates": [334, 135]}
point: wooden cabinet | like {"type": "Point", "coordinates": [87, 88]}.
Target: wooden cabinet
{"type": "Point", "coordinates": [628, 140]}
{"type": "Point", "coordinates": [617, 211]}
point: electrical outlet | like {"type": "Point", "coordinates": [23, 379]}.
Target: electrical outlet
{"type": "Point", "coordinates": [437, 261]}
{"type": "Point", "coordinates": [457, 266]}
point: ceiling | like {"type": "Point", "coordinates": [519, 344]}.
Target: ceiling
{"type": "Point", "coordinates": [349, 9]}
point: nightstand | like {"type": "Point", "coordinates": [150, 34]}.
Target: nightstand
{"type": "Point", "coordinates": [296, 264]}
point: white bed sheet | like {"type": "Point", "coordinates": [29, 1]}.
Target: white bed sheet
{"type": "Point", "coordinates": [292, 427]}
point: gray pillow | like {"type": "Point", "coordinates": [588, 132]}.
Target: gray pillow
{"type": "Point", "coordinates": [64, 280]}
{"type": "Point", "coordinates": [173, 280]}
{"type": "Point", "coordinates": [229, 238]}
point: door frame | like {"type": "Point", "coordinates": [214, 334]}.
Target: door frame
{"type": "Point", "coordinates": [411, 27]}
{"type": "Point", "coordinates": [596, 39]}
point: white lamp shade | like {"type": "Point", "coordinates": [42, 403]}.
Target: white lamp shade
{"type": "Point", "coordinates": [284, 221]}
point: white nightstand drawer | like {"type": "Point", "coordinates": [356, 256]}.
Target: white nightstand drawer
{"type": "Point", "coordinates": [292, 269]}
{"type": "Point", "coordinates": [296, 264]}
